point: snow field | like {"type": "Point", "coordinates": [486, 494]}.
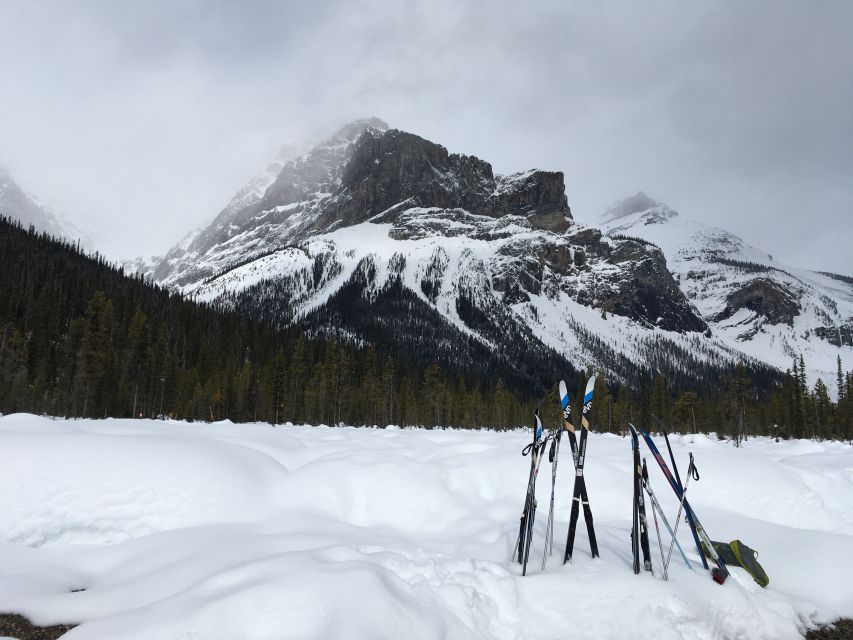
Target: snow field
{"type": "Point", "coordinates": [179, 530]}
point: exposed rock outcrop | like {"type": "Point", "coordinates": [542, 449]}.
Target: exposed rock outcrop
{"type": "Point", "coordinates": [764, 297]}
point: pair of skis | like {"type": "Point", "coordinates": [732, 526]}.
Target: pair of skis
{"type": "Point", "coordinates": [578, 445]}
{"type": "Point", "coordinates": [640, 528]}
{"type": "Point", "coordinates": [719, 573]}
{"type": "Point", "coordinates": [580, 497]}
{"type": "Point", "coordinates": [528, 515]}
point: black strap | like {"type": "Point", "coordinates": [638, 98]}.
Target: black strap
{"type": "Point", "coordinates": [692, 470]}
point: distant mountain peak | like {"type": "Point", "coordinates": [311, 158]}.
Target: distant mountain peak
{"type": "Point", "coordinates": [636, 203]}
{"type": "Point", "coordinates": [351, 131]}
{"type": "Point", "coordinates": [20, 205]}
{"type": "Point", "coordinates": [765, 309]}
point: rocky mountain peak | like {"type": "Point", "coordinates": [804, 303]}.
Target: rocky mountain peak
{"type": "Point", "coordinates": [391, 167]}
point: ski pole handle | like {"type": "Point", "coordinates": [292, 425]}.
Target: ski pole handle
{"type": "Point", "coordinates": [692, 470]}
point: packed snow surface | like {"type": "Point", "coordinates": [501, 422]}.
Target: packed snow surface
{"type": "Point", "coordinates": [167, 530]}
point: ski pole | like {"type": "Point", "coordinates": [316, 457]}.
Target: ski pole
{"type": "Point", "coordinates": [691, 473]}
{"type": "Point", "coordinates": [659, 510]}
{"type": "Point", "coordinates": [647, 486]}
{"type": "Point", "coordinates": [549, 530]}
{"type": "Point", "coordinates": [536, 452]}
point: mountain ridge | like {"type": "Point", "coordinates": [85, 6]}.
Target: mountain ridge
{"type": "Point", "coordinates": [770, 310]}
{"type": "Point", "coordinates": [378, 195]}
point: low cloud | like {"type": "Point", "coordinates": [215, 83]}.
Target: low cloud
{"type": "Point", "coordinates": [143, 119]}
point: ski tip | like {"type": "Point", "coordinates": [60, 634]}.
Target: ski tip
{"type": "Point", "coordinates": [538, 423]}
{"type": "Point", "coordinates": [590, 387]}
{"type": "Point", "coordinates": [564, 394]}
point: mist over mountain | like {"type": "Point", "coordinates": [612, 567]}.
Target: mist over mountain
{"type": "Point", "coordinates": [20, 205]}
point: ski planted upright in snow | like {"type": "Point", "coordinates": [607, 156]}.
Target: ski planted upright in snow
{"type": "Point", "coordinates": [640, 529]}
{"type": "Point", "coordinates": [579, 454]}
{"type": "Point", "coordinates": [528, 515]}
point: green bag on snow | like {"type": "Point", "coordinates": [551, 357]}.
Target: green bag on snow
{"type": "Point", "coordinates": [737, 554]}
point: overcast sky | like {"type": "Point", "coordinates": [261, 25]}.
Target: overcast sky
{"type": "Point", "coordinates": [140, 120]}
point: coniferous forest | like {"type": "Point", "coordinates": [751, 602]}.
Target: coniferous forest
{"type": "Point", "coordinates": [79, 338]}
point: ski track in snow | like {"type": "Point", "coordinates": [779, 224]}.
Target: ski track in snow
{"type": "Point", "coordinates": [180, 530]}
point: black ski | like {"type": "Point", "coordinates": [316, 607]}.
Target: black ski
{"type": "Point", "coordinates": [528, 515]}
{"type": "Point", "coordinates": [640, 529]}
{"type": "Point", "coordinates": [579, 454]}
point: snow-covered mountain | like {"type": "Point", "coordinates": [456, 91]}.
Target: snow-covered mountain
{"type": "Point", "coordinates": [20, 205]}
{"type": "Point", "coordinates": [377, 233]}
{"type": "Point", "coordinates": [262, 214]}
{"type": "Point", "coordinates": [762, 307]}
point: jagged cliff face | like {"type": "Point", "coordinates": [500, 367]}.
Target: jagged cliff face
{"type": "Point", "coordinates": [766, 309]}
{"type": "Point", "coordinates": [360, 172]}
{"type": "Point", "coordinates": [392, 171]}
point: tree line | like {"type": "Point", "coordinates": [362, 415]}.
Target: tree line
{"type": "Point", "coordinates": [737, 410]}
{"type": "Point", "coordinates": [79, 338]}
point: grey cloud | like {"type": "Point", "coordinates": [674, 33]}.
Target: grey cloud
{"type": "Point", "coordinates": [145, 117]}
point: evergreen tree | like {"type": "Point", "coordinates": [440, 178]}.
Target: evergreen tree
{"type": "Point", "coordinates": [433, 390]}
{"type": "Point", "coordinates": [77, 337]}
{"type": "Point", "coordinates": [659, 403]}
{"type": "Point", "coordinates": [684, 412]}
{"type": "Point", "coordinates": [388, 391]}
{"type": "Point", "coordinates": [822, 407]}
{"type": "Point", "coordinates": [296, 378]}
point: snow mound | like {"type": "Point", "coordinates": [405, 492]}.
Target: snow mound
{"type": "Point", "coordinates": [81, 486]}
{"type": "Point", "coordinates": [144, 529]}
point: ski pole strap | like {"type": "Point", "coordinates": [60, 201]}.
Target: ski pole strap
{"type": "Point", "coordinates": [691, 468]}
{"type": "Point", "coordinates": [527, 449]}
{"type": "Point", "coordinates": [552, 450]}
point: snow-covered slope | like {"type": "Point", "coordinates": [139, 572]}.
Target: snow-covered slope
{"type": "Point", "coordinates": [168, 530]}
{"type": "Point", "coordinates": [751, 301]}
{"type": "Point", "coordinates": [497, 257]}
{"type": "Point", "coordinates": [268, 211]}
{"type": "Point", "coordinates": [24, 207]}
{"type": "Point", "coordinates": [486, 277]}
